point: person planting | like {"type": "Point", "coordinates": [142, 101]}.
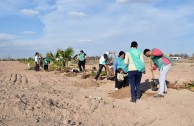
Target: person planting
{"type": "Point", "coordinates": [163, 63]}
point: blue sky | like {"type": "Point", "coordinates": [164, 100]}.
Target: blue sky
{"type": "Point", "coordinates": [96, 26]}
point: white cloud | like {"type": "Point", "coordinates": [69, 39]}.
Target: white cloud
{"type": "Point", "coordinates": [85, 40]}
{"type": "Point", "coordinates": [134, 1]}
{"type": "Point", "coordinates": [28, 32]}
{"type": "Point", "coordinates": [115, 26]}
{"type": "Point", "coordinates": [76, 14]}
{"type": "Point", "coordinates": [29, 12]}
{"type": "Point", "coordinates": [6, 37]}
{"type": "Point", "coordinates": [112, 25]}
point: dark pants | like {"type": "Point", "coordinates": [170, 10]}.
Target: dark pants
{"type": "Point", "coordinates": [135, 80]}
{"type": "Point", "coordinates": [81, 64]}
{"type": "Point", "coordinates": [37, 66]}
{"type": "Point", "coordinates": [45, 67]}
{"type": "Point", "coordinates": [120, 84]}
{"type": "Point", "coordinates": [99, 71]}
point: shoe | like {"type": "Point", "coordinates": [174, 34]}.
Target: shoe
{"type": "Point", "coordinates": [138, 97]}
{"type": "Point", "coordinates": [165, 92]}
{"type": "Point", "coordinates": [133, 100]}
{"type": "Point", "coordinates": [116, 89]}
{"type": "Point", "coordinates": [159, 96]}
{"type": "Point", "coordinates": [96, 79]}
{"type": "Point", "coordinates": [154, 89]}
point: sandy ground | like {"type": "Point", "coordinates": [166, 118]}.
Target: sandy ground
{"type": "Point", "coordinates": [29, 98]}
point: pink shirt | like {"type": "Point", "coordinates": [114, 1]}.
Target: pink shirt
{"type": "Point", "coordinates": [157, 52]}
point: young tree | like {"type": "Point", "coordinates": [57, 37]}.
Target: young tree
{"type": "Point", "coordinates": [50, 55]}
{"type": "Point", "coordinates": [68, 52]}
{"type": "Point", "coordinates": [60, 54]}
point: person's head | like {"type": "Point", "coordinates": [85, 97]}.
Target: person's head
{"type": "Point", "coordinates": [147, 52]}
{"type": "Point", "coordinates": [120, 70]}
{"type": "Point", "coordinates": [36, 53]}
{"type": "Point", "coordinates": [81, 51]}
{"type": "Point", "coordinates": [122, 54]}
{"type": "Point", "coordinates": [134, 44]}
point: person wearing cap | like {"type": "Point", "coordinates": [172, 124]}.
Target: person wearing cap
{"type": "Point", "coordinates": [163, 63]}
{"type": "Point", "coordinates": [136, 66]}
{"type": "Point", "coordinates": [103, 63]}
{"type": "Point", "coordinates": [82, 60]}
{"type": "Point", "coordinates": [36, 59]}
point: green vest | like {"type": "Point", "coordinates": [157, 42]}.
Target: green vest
{"type": "Point", "coordinates": [135, 55]}
{"type": "Point", "coordinates": [121, 64]}
{"type": "Point", "coordinates": [46, 61]}
{"type": "Point", "coordinates": [159, 62]}
{"type": "Point", "coordinates": [81, 57]}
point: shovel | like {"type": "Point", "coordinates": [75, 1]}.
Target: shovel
{"type": "Point", "coordinates": [153, 84]}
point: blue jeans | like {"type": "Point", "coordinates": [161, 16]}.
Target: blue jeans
{"type": "Point", "coordinates": [135, 80]}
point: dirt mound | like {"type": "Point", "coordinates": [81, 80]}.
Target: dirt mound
{"type": "Point", "coordinates": [125, 93]}
{"type": "Point", "coordinates": [184, 85]}
{"type": "Point", "coordinates": [87, 83]}
{"type": "Point", "coordinates": [148, 94]}
{"type": "Point", "coordinates": [121, 93]}
{"type": "Point", "coordinates": [71, 74]}
{"type": "Point", "coordinates": [85, 76]}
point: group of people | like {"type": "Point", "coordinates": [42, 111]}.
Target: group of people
{"type": "Point", "coordinates": [129, 67]}
{"type": "Point", "coordinates": [41, 62]}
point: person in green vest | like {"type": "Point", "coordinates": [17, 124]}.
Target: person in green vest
{"type": "Point", "coordinates": [163, 63]}
{"type": "Point", "coordinates": [120, 66]}
{"type": "Point", "coordinates": [46, 63]}
{"type": "Point", "coordinates": [136, 66]}
{"type": "Point", "coordinates": [82, 60]}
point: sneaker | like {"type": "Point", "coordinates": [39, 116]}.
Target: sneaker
{"type": "Point", "coordinates": [133, 100]}
{"type": "Point", "coordinates": [116, 89]}
{"type": "Point", "coordinates": [159, 96]}
{"type": "Point", "coordinates": [165, 92]}
{"type": "Point", "coordinates": [138, 97]}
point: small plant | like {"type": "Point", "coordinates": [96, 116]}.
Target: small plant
{"type": "Point", "coordinates": [93, 73]}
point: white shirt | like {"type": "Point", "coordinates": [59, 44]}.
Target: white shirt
{"type": "Point", "coordinates": [102, 59]}
{"type": "Point", "coordinates": [36, 58]}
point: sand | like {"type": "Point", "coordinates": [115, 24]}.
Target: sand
{"type": "Point", "coordinates": [29, 98]}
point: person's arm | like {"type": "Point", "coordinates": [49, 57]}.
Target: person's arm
{"type": "Point", "coordinates": [125, 75]}
{"type": "Point", "coordinates": [142, 59]}
{"type": "Point", "coordinates": [106, 66]}
{"type": "Point", "coordinates": [154, 67]}
{"type": "Point", "coordinates": [75, 56]}
{"type": "Point", "coordinates": [156, 52]}
{"type": "Point", "coordinates": [85, 56]}
{"type": "Point", "coordinates": [127, 58]}
{"type": "Point", "coordinates": [115, 65]}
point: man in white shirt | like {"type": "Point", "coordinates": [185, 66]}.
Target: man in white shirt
{"type": "Point", "coordinates": [103, 63]}
{"type": "Point", "coordinates": [36, 61]}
